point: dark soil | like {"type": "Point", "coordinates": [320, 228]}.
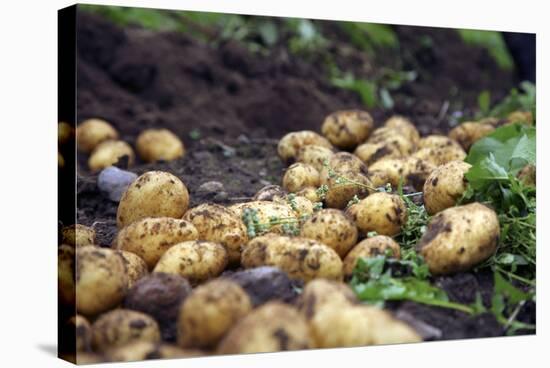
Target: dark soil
{"type": "Point", "coordinates": [242, 103]}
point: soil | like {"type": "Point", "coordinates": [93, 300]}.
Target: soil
{"type": "Point", "coordinates": [240, 103]}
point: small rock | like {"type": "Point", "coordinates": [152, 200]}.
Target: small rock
{"type": "Point", "coordinates": [262, 172]}
{"type": "Point", "coordinates": [113, 182]}
{"type": "Point", "coordinates": [243, 139]}
{"type": "Point", "coordinates": [211, 187]}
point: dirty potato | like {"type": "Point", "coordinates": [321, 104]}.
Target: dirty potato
{"type": "Point", "coordinates": [265, 211]}
{"type": "Point", "coordinates": [381, 212]}
{"type": "Point", "coordinates": [92, 132]}
{"type": "Point", "coordinates": [445, 186]}
{"type": "Point", "coordinates": [436, 141]}
{"type": "Point", "coordinates": [370, 247]}
{"type": "Point", "coordinates": [345, 186]}
{"type": "Point", "coordinates": [291, 143]}
{"type": "Point", "coordinates": [272, 327]}
{"type": "Point", "coordinates": [441, 155]}
{"type": "Point", "coordinates": [77, 235]}
{"type": "Point", "coordinates": [342, 162]}
{"type": "Point", "coordinates": [459, 238]}
{"type": "Point", "coordinates": [386, 329]}
{"type": "Point", "coordinates": [299, 176]}
{"type": "Point", "coordinates": [528, 175]}
{"type": "Point", "coordinates": [122, 326]}
{"type": "Point", "coordinates": [136, 267]}
{"type": "Point", "coordinates": [412, 170]}
{"type": "Point", "coordinates": [309, 193]}
{"type": "Point", "coordinates": [219, 224]}
{"type": "Point", "coordinates": [269, 193]}
{"type": "Point", "coordinates": [470, 132]}
{"type": "Point", "coordinates": [210, 312]}
{"type": "Point", "coordinates": [82, 332]}
{"type": "Point", "coordinates": [319, 293]}
{"type": "Point", "coordinates": [143, 350]}
{"type": "Point", "coordinates": [159, 145]}
{"type": "Point", "coordinates": [347, 128]}
{"type": "Point", "coordinates": [101, 280]}
{"type": "Point", "coordinates": [333, 228]}
{"type": "Point", "coordinates": [65, 132]}
{"type": "Point", "coordinates": [153, 194]}
{"type": "Point", "coordinates": [369, 153]}
{"type": "Point", "coordinates": [392, 137]}
{"type": "Point", "coordinates": [66, 274]}
{"type": "Point", "coordinates": [301, 206]}
{"type": "Point", "coordinates": [315, 156]}
{"type": "Point", "coordinates": [197, 261]}
{"type": "Point", "coordinates": [521, 117]}
{"type": "Point", "coordinates": [108, 153]}
{"type": "Point", "coordinates": [150, 237]}
{"type": "Point", "coordinates": [405, 127]}
{"type": "Point", "coordinates": [301, 258]}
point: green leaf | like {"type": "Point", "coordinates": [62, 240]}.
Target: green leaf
{"type": "Point", "coordinates": [487, 170]}
{"type": "Point", "coordinates": [484, 101]}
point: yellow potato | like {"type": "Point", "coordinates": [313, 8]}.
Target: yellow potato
{"type": "Point", "coordinates": [136, 267]}
{"type": "Point", "coordinates": [370, 247]}
{"type": "Point", "coordinates": [265, 211]}
{"type": "Point", "coordinates": [219, 224]}
{"type": "Point", "coordinates": [65, 132]}
{"type": "Point", "coordinates": [82, 332]}
{"type": "Point", "coordinates": [378, 178]}
{"type": "Point", "coordinates": [60, 161]}
{"type": "Point", "coordinates": [269, 328]}
{"type": "Point", "coordinates": [412, 170]}
{"type": "Point", "coordinates": [436, 141]}
{"type": "Point", "coordinates": [92, 132]}
{"type": "Point", "coordinates": [142, 350]}
{"type": "Point", "coordinates": [345, 186]}
{"type": "Point", "coordinates": [309, 193]}
{"type": "Point", "coordinates": [347, 128]}
{"type": "Point", "coordinates": [405, 127]}
{"type": "Point", "coordinates": [319, 293]}
{"type": "Point", "coordinates": [210, 312]}
{"type": "Point", "coordinates": [528, 175]}
{"type": "Point", "coordinates": [333, 228]}
{"type": "Point", "coordinates": [385, 329]}
{"type": "Point", "coordinates": [66, 274]}
{"type": "Point", "coordinates": [300, 258]}
{"type": "Point", "coordinates": [291, 143]}
{"type": "Point", "coordinates": [381, 212]}
{"type": "Point", "coordinates": [197, 261]}
{"type": "Point", "coordinates": [159, 145]}
{"type": "Point", "coordinates": [522, 117]}
{"type": "Point", "coordinates": [108, 153]}
{"type": "Point", "coordinates": [314, 156]}
{"type": "Point", "coordinates": [445, 186]}
{"type": "Point", "coordinates": [470, 132]}
{"type": "Point", "coordinates": [393, 137]}
{"type": "Point", "coordinates": [369, 153]}
{"type": "Point", "coordinates": [301, 206]}
{"type": "Point", "coordinates": [153, 194]}
{"type": "Point", "coordinates": [299, 176]}
{"type": "Point", "coordinates": [122, 326]}
{"type": "Point", "coordinates": [441, 155]}
{"type": "Point", "coordinates": [101, 280]}
{"type": "Point", "coordinates": [77, 235]}
{"type": "Point", "coordinates": [342, 162]}
{"type": "Point", "coordinates": [269, 193]}
{"type": "Point", "coordinates": [459, 238]}
{"type": "Point", "coordinates": [150, 237]}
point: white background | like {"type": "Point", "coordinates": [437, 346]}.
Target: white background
{"type": "Point", "coordinates": [28, 51]}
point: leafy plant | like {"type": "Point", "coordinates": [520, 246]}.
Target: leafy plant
{"type": "Point", "coordinates": [369, 36]}
{"type": "Point", "coordinates": [523, 99]}
{"type": "Point", "coordinates": [493, 42]}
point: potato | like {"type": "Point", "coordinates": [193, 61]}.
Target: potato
{"type": "Point", "coordinates": [369, 153]}
{"type": "Point", "coordinates": [436, 141]}
{"type": "Point", "coordinates": [370, 247]}
{"type": "Point", "coordinates": [197, 261]}
{"type": "Point", "coordinates": [159, 295]}
{"type": "Point", "coordinates": [60, 161]}
{"type": "Point", "coordinates": [386, 329]}
{"type": "Point", "coordinates": [309, 193]}
{"type": "Point", "coordinates": [470, 132]}
{"type": "Point", "coordinates": [150, 237]}
{"type": "Point", "coordinates": [108, 153]}
{"type": "Point", "coordinates": [405, 127]}
{"type": "Point", "coordinates": [314, 156]}
{"type": "Point", "coordinates": [136, 267]}
{"type": "Point", "coordinates": [394, 138]}
{"type": "Point", "coordinates": [82, 332]}
{"type": "Point", "coordinates": [210, 312]}
{"type": "Point", "coordinates": [378, 178]}
{"type": "Point", "coordinates": [337, 326]}
{"type": "Point", "coordinates": [269, 328]}
{"type": "Point", "coordinates": [345, 186]}
{"type": "Point", "coordinates": [83, 358]}
{"type": "Point", "coordinates": [347, 128]}
{"type": "Point", "coordinates": [459, 238]}
{"type": "Point", "coordinates": [122, 326]}
{"type": "Point", "coordinates": [159, 145]}
{"type": "Point", "coordinates": [66, 274]}
{"type": "Point", "coordinates": [269, 193]}
{"type": "Point", "coordinates": [77, 235]}
{"type": "Point", "coordinates": [143, 350]}
{"type": "Point", "coordinates": [301, 258]}
{"type": "Point", "coordinates": [381, 212]}
{"type": "Point", "coordinates": [319, 293]}
{"type": "Point", "coordinates": [265, 211]}
{"type": "Point", "coordinates": [92, 132]}
{"type": "Point", "coordinates": [101, 280]}
{"type": "Point", "coordinates": [300, 175]}
{"type": "Point", "coordinates": [65, 132]}
{"type": "Point", "coordinates": [522, 117]}
{"type": "Point", "coordinates": [445, 186]}
{"type": "Point", "coordinates": [219, 224]}
{"type": "Point", "coordinates": [291, 143]}
{"type": "Point", "coordinates": [528, 175]}
{"type": "Point", "coordinates": [441, 155]}
{"type": "Point", "coordinates": [342, 162]}
{"type": "Point", "coordinates": [301, 206]}
{"type": "Point", "coordinates": [333, 228]}
{"type": "Point", "coordinates": [153, 194]}
{"type": "Point", "coordinates": [413, 170]}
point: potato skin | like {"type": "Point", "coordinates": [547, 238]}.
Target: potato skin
{"type": "Point", "coordinates": [159, 145]}
{"type": "Point", "coordinates": [336, 326]}
{"type": "Point", "coordinates": [413, 170]}
{"type": "Point", "coordinates": [136, 267]}
{"type": "Point", "coordinates": [143, 350]}
{"type": "Point", "coordinates": [314, 156]}
{"type": "Point", "coordinates": [386, 329]}
{"type": "Point", "coordinates": [291, 143]}
{"type": "Point", "coordinates": [370, 247]}
{"type": "Point", "coordinates": [319, 293]}
{"type": "Point", "coordinates": [343, 162]}
{"type": "Point", "coordinates": [523, 117]}
{"type": "Point", "coordinates": [77, 235]}
{"type": "Point", "coordinates": [101, 280]}
{"type": "Point", "coordinates": [150, 237]}
{"type": "Point", "coordinates": [269, 193]}
{"type": "Point", "coordinates": [210, 312]}
{"type": "Point", "coordinates": [301, 206]}
{"type": "Point", "coordinates": [65, 132]}
{"type": "Point", "coordinates": [369, 153]}
{"type": "Point", "coordinates": [333, 228]}
{"type": "Point", "coordinates": [66, 274]}
{"type": "Point", "coordinates": [219, 224]}
{"type": "Point", "coordinates": [301, 258]}
{"type": "Point", "coordinates": [153, 194]}
{"type": "Point", "coordinates": [269, 328]}
{"type": "Point", "coordinates": [436, 141]}
{"type": "Point", "coordinates": [300, 175]}
{"type": "Point", "coordinates": [441, 155]}
{"type": "Point", "coordinates": [309, 193]}
{"type": "Point", "coordinates": [445, 186]}
{"type": "Point", "coordinates": [339, 194]}
{"type": "Point", "coordinates": [405, 127]}
{"type": "Point", "coordinates": [265, 210]}
{"type": "Point", "coordinates": [196, 260]}
{"type": "Point", "coordinates": [92, 132]}
{"type": "Point", "coordinates": [108, 153]}
{"type": "Point", "coordinates": [83, 332]}
{"type": "Point", "coordinates": [470, 132]}
{"type": "Point", "coordinates": [381, 212]}
{"type": "Point", "coordinates": [460, 237]}
{"type": "Point", "coordinates": [347, 128]}
{"type": "Point", "coordinates": [122, 326]}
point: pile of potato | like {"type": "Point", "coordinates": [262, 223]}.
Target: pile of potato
{"type": "Point", "coordinates": [158, 290]}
